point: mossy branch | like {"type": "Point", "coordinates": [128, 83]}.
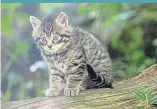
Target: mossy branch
{"type": "Point", "coordinates": [121, 97]}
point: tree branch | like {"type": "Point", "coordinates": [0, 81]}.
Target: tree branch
{"type": "Point", "coordinates": [121, 97]}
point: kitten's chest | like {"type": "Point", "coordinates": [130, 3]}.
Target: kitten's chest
{"type": "Point", "coordinates": [61, 62]}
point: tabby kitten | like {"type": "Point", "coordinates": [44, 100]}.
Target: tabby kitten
{"type": "Point", "coordinates": [75, 59]}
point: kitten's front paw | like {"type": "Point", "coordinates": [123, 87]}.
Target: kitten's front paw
{"type": "Point", "coordinates": [51, 92]}
{"type": "Point", "coordinates": [71, 91]}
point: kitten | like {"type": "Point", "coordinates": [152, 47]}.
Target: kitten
{"type": "Point", "coordinates": [75, 59]}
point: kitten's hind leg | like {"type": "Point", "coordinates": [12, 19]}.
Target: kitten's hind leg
{"type": "Point", "coordinates": [99, 79]}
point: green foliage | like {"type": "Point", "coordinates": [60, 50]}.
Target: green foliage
{"type": "Point", "coordinates": [130, 58]}
{"type": "Point", "coordinates": [153, 100]}
{"type": "Point", "coordinates": [13, 79]}
{"type": "Point", "coordinates": [15, 50]}
{"type": "Point", "coordinates": [149, 94]}
{"type": "Point", "coordinates": [19, 49]}
{"type": "Point", "coordinates": [145, 99]}
{"type": "Point", "coordinates": [140, 107]}
{"type": "Point", "coordinates": [140, 95]}
{"type": "Point", "coordinates": [7, 18]}
{"type": "Point", "coordinates": [10, 5]}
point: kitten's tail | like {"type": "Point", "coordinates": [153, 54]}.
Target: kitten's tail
{"type": "Point", "coordinates": [98, 79]}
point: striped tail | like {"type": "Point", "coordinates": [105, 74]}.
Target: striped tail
{"type": "Point", "coordinates": [97, 79]}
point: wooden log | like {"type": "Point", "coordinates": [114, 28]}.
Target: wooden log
{"type": "Point", "coordinates": [121, 97]}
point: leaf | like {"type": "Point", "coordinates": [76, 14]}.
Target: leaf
{"type": "Point", "coordinates": [153, 100]}
{"type": "Point", "coordinates": [140, 95]}
{"type": "Point", "coordinates": [140, 107]}
{"type": "Point", "coordinates": [149, 93]}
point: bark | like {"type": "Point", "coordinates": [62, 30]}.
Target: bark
{"type": "Point", "coordinates": [121, 97]}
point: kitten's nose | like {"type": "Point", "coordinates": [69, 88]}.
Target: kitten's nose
{"type": "Point", "coordinates": [49, 46]}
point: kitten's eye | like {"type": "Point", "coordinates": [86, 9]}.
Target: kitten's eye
{"type": "Point", "coordinates": [57, 38]}
{"type": "Point", "coordinates": [43, 40]}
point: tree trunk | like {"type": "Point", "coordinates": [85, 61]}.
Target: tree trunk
{"type": "Point", "coordinates": [121, 97]}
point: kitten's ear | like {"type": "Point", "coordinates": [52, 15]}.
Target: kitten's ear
{"type": "Point", "coordinates": [34, 21]}
{"type": "Point", "coordinates": [62, 19]}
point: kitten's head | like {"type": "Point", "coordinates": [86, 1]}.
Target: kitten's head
{"type": "Point", "coordinates": [52, 34]}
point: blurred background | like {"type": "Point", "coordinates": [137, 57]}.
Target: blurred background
{"type": "Point", "coordinates": [129, 31]}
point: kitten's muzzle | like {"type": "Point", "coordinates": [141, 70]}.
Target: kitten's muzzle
{"type": "Point", "coordinates": [49, 46]}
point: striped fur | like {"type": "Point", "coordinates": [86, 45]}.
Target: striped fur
{"type": "Point", "coordinates": [81, 63]}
